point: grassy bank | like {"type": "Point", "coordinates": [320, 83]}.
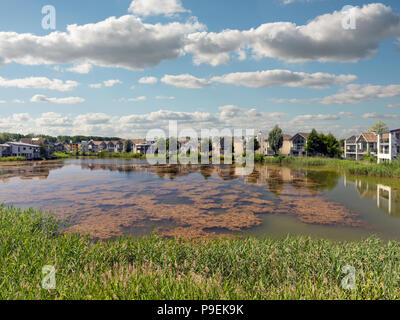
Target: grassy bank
{"type": "Point", "coordinates": [351, 166]}
{"type": "Point", "coordinates": [155, 268]}
{"type": "Point", "coordinates": [8, 159]}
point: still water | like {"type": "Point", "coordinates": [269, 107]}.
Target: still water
{"type": "Point", "coordinates": [106, 198]}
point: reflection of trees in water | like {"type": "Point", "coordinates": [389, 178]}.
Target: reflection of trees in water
{"type": "Point", "coordinates": [323, 180]}
{"type": "Point", "coordinates": [275, 182]}
{"type": "Point", "coordinates": [206, 171]}
{"type": "Point", "coordinates": [227, 172]}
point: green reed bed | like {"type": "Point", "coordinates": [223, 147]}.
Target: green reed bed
{"type": "Point", "coordinates": [8, 159]}
{"type": "Point", "coordinates": [353, 167]}
{"type": "Point", "coordinates": [157, 268]}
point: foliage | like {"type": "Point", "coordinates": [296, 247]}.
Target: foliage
{"type": "Point", "coordinates": [253, 144]}
{"type": "Point", "coordinates": [7, 159]}
{"type": "Point", "coordinates": [128, 146]}
{"type": "Point", "coordinates": [275, 139]}
{"type": "Point", "coordinates": [320, 144]}
{"type": "Point", "coordinates": [379, 127]}
{"type": "Point", "coordinates": [169, 269]}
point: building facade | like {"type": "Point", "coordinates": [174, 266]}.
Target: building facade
{"type": "Point", "coordinates": [388, 146]}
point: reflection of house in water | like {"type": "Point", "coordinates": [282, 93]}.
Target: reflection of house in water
{"type": "Point", "coordinates": [387, 198]}
{"type": "Point", "coordinates": [34, 171]}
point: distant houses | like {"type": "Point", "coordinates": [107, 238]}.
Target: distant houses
{"type": "Point", "coordinates": [388, 146]}
{"type": "Point", "coordinates": [359, 146]}
{"type": "Point", "coordinates": [19, 149]}
{"type": "Point", "coordinates": [385, 146]}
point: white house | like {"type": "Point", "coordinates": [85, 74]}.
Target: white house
{"type": "Point", "coordinates": [389, 146]}
{"type": "Point", "coordinates": [19, 149]}
{"type": "Point", "coordinates": [356, 147]}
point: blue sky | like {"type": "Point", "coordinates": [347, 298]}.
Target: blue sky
{"type": "Point", "coordinates": [223, 64]}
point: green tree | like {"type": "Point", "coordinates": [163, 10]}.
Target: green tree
{"type": "Point", "coordinates": [42, 150]}
{"type": "Point", "coordinates": [333, 147]}
{"type": "Point", "coordinates": [253, 144]}
{"type": "Point", "coordinates": [275, 139]}
{"type": "Point", "coordinates": [314, 143]}
{"type": "Point", "coordinates": [128, 146]}
{"type": "Point", "coordinates": [379, 127]}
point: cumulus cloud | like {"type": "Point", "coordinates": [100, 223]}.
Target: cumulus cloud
{"type": "Point", "coordinates": [82, 68]}
{"type": "Point", "coordinates": [137, 125]}
{"type": "Point", "coordinates": [128, 42]}
{"type": "Point", "coordinates": [356, 93]}
{"type": "Point", "coordinates": [38, 83]}
{"type": "Point", "coordinates": [124, 42]}
{"type": "Point", "coordinates": [322, 39]}
{"type": "Point", "coordinates": [148, 80]}
{"type": "Point", "coordinates": [156, 7]}
{"type": "Point", "coordinates": [106, 83]}
{"type": "Point", "coordinates": [68, 100]}
{"type": "Point", "coordinates": [185, 81]}
{"type": "Point", "coordinates": [375, 115]}
{"type": "Point", "coordinates": [269, 78]}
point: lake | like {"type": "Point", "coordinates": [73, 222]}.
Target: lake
{"type": "Point", "coordinates": [106, 198]}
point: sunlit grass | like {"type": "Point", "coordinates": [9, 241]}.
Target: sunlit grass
{"type": "Point", "coordinates": [156, 268]}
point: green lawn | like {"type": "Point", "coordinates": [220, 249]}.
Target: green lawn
{"type": "Point", "coordinates": [156, 268]}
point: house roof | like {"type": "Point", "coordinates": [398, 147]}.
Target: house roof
{"type": "Point", "coordinates": [138, 141]}
{"type": "Point", "coordinates": [286, 137]}
{"type": "Point", "coordinates": [370, 137]}
{"type": "Point", "coordinates": [304, 135]}
{"type": "Point", "coordinates": [35, 141]}
{"type": "Point", "coordinates": [21, 144]}
{"type": "Point", "coordinates": [352, 139]}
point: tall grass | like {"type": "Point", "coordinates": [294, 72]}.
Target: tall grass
{"type": "Point", "coordinates": [7, 159]}
{"type": "Point", "coordinates": [351, 166]}
{"type": "Point", "coordinates": [156, 268]}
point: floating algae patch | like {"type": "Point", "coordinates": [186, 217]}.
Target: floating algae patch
{"type": "Point", "coordinates": [107, 198]}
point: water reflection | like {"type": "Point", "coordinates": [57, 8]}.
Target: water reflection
{"type": "Point", "coordinates": [387, 197]}
{"type": "Point", "coordinates": [106, 197]}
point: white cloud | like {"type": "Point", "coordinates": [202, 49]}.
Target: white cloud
{"type": "Point", "coordinates": [82, 68]}
{"type": "Point", "coordinates": [21, 117]}
{"type": "Point", "coordinates": [38, 83]}
{"type": "Point", "coordinates": [111, 83]}
{"type": "Point", "coordinates": [3, 101]}
{"type": "Point", "coordinates": [137, 125]}
{"type": "Point", "coordinates": [285, 2]}
{"type": "Point", "coordinates": [321, 39]}
{"type": "Point", "coordinates": [375, 115]}
{"type": "Point", "coordinates": [124, 42]}
{"type": "Point", "coordinates": [142, 98]}
{"type": "Point", "coordinates": [106, 83]}
{"type": "Point", "coordinates": [165, 98]}
{"type": "Point", "coordinates": [185, 81]}
{"type": "Point", "coordinates": [156, 7]}
{"type": "Point", "coordinates": [392, 106]}
{"type": "Point", "coordinates": [68, 100]}
{"type": "Point", "coordinates": [316, 117]}
{"type": "Point", "coordinates": [148, 80]}
{"type": "Point", "coordinates": [356, 93]}
{"type": "Point", "coordinates": [18, 101]}
{"type": "Point", "coordinates": [268, 78]}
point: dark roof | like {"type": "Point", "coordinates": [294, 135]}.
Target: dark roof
{"type": "Point", "coordinates": [352, 139]}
